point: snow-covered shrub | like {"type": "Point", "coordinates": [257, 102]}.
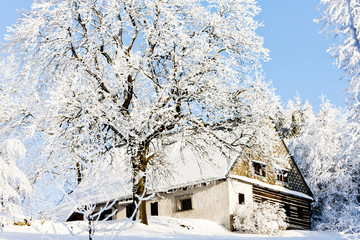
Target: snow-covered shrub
{"type": "Point", "coordinates": [262, 218]}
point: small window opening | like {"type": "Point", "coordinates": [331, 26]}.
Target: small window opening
{"type": "Point", "coordinates": [241, 197]}
{"type": "Point", "coordinates": [259, 169]}
{"type": "Point", "coordinates": [184, 204]}
{"type": "Point", "coordinates": [282, 175]}
{"type": "Point", "coordinates": [75, 216]}
{"type": "Point", "coordinates": [130, 208]}
{"type": "Point", "coordinates": [154, 207]}
{"type": "Point", "coordinates": [105, 215]}
{"type": "Point", "coordinates": [300, 212]}
{"type": "Point", "coordinates": [287, 209]}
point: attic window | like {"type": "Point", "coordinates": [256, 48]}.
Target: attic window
{"type": "Point", "coordinates": [282, 175]}
{"type": "Point", "coordinates": [183, 203]}
{"type": "Point", "coordinates": [259, 169]}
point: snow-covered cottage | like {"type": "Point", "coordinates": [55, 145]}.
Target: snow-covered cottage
{"type": "Point", "coordinates": [210, 190]}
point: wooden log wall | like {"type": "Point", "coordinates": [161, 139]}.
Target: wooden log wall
{"type": "Point", "coordinates": [298, 210]}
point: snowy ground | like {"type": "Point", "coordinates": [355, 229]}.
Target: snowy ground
{"type": "Point", "coordinates": [159, 228]}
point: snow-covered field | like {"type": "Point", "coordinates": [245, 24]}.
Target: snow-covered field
{"type": "Point", "coordinates": [159, 228]}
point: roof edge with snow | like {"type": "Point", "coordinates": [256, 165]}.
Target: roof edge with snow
{"type": "Point", "coordinates": [272, 187]}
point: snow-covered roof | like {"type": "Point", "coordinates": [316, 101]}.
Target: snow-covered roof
{"type": "Point", "coordinates": [190, 163]}
{"type": "Point", "coordinates": [271, 187]}
{"type": "Point", "coordinates": [190, 167]}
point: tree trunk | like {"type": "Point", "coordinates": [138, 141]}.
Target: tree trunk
{"type": "Point", "coordinates": [90, 227]}
{"type": "Point", "coordinates": [142, 208]}
{"type": "Point", "coordinates": [79, 170]}
{"type": "Point", "coordinates": [140, 188]}
{"type": "Point", "coordinates": [143, 214]}
{"type": "Point", "coordinates": [141, 191]}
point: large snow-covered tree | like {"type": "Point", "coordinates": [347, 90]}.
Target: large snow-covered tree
{"type": "Point", "coordinates": [103, 74]}
{"type": "Point", "coordinates": [341, 19]}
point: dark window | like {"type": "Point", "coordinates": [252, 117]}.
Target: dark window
{"type": "Point", "coordinates": [75, 216]}
{"type": "Point", "coordinates": [259, 169]}
{"type": "Point", "coordinates": [282, 175]}
{"type": "Point", "coordinates": [130, 208]}
{"type": "Point", "coordinates": [241, 198]}
{"type": "Point", "coordinates": [154, 207]}
{"type": "Point", "coordinates": [300, 212]}
{"type": "Point", "coordinates": [183, 204]}
{"type": "Point", "coordinates": [105, 215]}
{"type": "Point", "coordinates": [287, 209]}
{"type": "Point", "coordinates": [186, 204]}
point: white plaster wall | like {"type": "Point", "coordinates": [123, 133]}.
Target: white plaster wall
{"type": "Point", "coordinates": [101, 207]}
{"type": "Point", "coordinates": [236, 187]}
{"type": "Point", "coordinates": [121, 212]}
{"type": "Point", "coordinates": [208, 202]}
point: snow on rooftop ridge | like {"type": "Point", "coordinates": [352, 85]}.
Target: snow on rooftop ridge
{"type": "Point", "coordinates": [272, 187]}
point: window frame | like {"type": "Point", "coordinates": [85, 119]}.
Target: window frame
{"type": "Point", "coordinates": [129, 208]}
{"type": "Point", "coordinates": [259, 169]}
{"type": "Point", "coordinates": [241, 198]}
{"type": "Point", "coordinates": [300, 212]}
{"type": "Point", "coordinates": [154, 209]}
{"type": "Point", "coordinates": [105, 214]}
{"type": "Point", "coordinates": [282, 175]}
{"type": "Point", "coordinates": [181, 205]}
{"type": "Point", "coordinates": [287, 208]}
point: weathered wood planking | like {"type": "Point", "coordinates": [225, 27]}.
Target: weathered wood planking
{"type": "Point", "coordinates": [298, 209]}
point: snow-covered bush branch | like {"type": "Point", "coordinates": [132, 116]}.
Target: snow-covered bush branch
{"type": "Point", "coordinates": [261, 218]}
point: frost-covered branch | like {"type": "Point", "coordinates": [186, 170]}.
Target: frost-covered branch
{"type": "Point", "coordinates": [100, 76]}
{"type": "Point", "coordinates": [340, 18]}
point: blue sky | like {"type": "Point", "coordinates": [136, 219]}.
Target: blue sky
{"type": "Point", "coordinates": [299, 62]}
